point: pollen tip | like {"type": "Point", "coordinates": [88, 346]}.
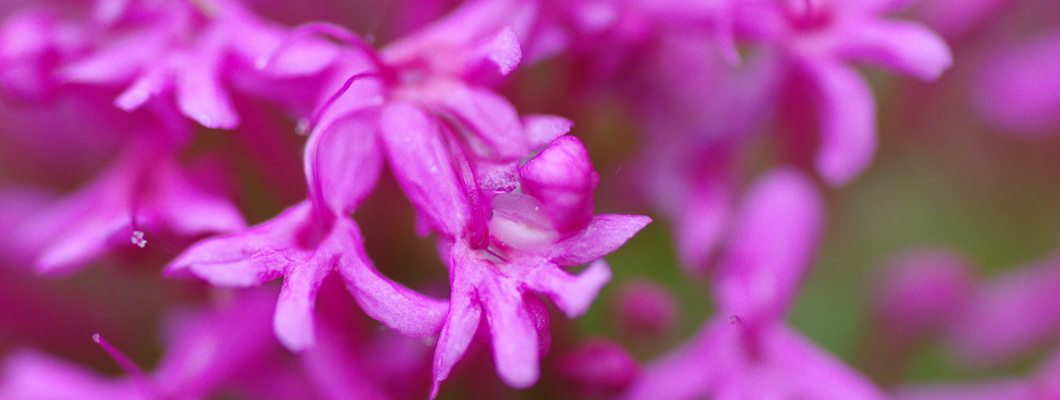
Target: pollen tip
{"type": "Point", "coordinates": [96, 338]}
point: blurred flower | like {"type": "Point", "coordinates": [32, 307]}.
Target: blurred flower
{"type": "Point", "coordinates": [746, 351]}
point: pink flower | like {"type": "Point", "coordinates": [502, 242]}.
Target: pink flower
{"type": "Point", "coordinates": [746, 351]}
{"type": "Point", "coordinates": [192, 49]}
{"type": "Point", "coordinates": [501, 243]}
{"type": "Point", "coordinates": [142, 195]}
{"type": "Point", "coordinates": [820, 38]}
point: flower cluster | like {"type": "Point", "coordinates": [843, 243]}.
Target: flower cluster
{"type": "Point", "coordinates": [257, 179]}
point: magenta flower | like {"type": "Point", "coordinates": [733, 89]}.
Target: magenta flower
{"type": "Point", "coordinates": [192, 49]}
{"type": "Point", "coordinates": [820, 38]}
{"type": "Point", "coordinates": [145, 193]}
{"type": "Point", "coordinates": [746, 351]}
{"type": "Point", "coordinates": [505, 236]}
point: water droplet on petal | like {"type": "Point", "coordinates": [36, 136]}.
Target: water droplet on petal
{"type": "Point", "coordinates": [734, 320]}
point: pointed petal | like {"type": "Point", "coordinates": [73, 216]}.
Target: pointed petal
{"type": "Point", "coordinates": [502, 49]}
{"type": "Point", "coordinates": [251, 257]}
{"type": "Point", "coordinates": [847, 115]}
{"type": "Point", "coordinates": [150, 84]}
{"type": "Point", "coordinates": [543, 129]}
{"type": "Point", "coordinates": [120, 61]}
{"type": "Point", "coordinates": [343, 161]}
{"type": "Point", "coordinates": [514, 335]}
{"type": "Point", "coordinates": [201, 97]}
{"type": "Point", "coordinates": [906, 47]}
{"type": "Point", "coordinates": [573, 294]}
{"type": "Point", "coordinates": [294, 322]}
{"type": "Point", "coordinates": [465, 313]}
{"type": "Point", "coordinates": [397, 307]}
{"type": "Point", "coordinates": [421, 164]}
{"type": "Point", "coordinates": [603, 235]}
{"type": "Point", "coordinates": [774, 242]}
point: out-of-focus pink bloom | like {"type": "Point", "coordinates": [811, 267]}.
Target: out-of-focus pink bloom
{"type": "Point", "coordinates": [644, 309]}
{"type": "Point", "coordinates": [1009, 315]}
{"type": "Point", "coordinates": [698, 119]}
{"type": "Point", "coordinates": [1043, 384]}
{"type": "Point", "coordinates": [1019, 89]}
{"type": "Point", "coordinates": [746, 351]}
{"type": "Point", "coordinates": [142, 194]}
{"type": "Point", "coordinates": [204, 352]}
{"type": "Point", "coordinates": [820, 38]}
{"type": "Point", "coordinates": [193, 49]}
{"type": "Point", "coordinates": [598, 368]}
{"type": "Point", "coordinates": [922, 291]}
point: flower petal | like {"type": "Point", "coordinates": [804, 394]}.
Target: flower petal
{"type": "Point", "coordinates": [343, 161]}
{"type": "Point", "coordinates": [397, 307]}
{"type": "Point", "coordinates": [492, 126]}
{"type": "Point", "coordinates": [251, 257]}
{"type": "Point", "coordinates": [774, 242]}
{"type": "Point", "coordinates": [572, 294]}
{"type": "Point", "coordinates": [906, 47]}
{"type": "Point", "coordinates": [294, 322]}
{"type": "Point", "coordinates": [465, 314]}
{"type": "Point", "coordinates": [543, 129]}
{"type": "Point", "coordinates": [815, 374]}
{"type": "Point", "coordinates": [201, 97]}
{"type": "Point", "coordinates": [421, 164]}
{"type": "Point", "coordinates": [502, 50]}
{"type": "Point", "coordinates": [603, 235]}
{"type": "Point", "coordinates": [847, 116]}
{"type": "Point", "coordinates": [514, 334]}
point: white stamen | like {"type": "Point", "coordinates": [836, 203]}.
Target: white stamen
{"type": "Point", "coordinates": [138, 239]}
